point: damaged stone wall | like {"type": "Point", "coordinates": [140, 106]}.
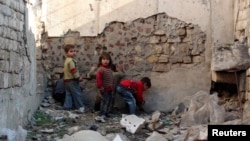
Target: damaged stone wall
{"type": "Point", "coordinates": [157, 46]}
{"type": "Point", "coordinates": [242, 33]}
{"type": "Point", "coordinates": [230, 61]}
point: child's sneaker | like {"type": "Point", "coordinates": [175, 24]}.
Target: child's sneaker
{"type": "Point", "coordinates": [100, 119]}
{"type": "Point", "coordinates": [81, 110]}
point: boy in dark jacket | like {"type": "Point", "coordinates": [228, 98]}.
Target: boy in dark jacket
{"type": "Point", "coordinates": [59, 90]}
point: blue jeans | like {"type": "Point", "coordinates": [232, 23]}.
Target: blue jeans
{"type": "Point", "coordinates": [73, 96]}
{"type": "Point", "coordinates": [128, 97]}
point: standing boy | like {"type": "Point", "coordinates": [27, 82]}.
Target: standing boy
{"type": "Point", "coordinates": [73, 97]}
{"type": "Point", "coordinates": [132, 92]}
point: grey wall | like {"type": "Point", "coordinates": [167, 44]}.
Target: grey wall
{"type": "Point", "coordinates": [18, 97]}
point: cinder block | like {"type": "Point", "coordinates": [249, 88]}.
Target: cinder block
{"type": "Point", "coordinates": [132, 123]}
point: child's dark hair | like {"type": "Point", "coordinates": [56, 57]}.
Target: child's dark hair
{"type": "Point", "coordinates": [68, 47]}
{"type": "Point", "coordinates": [147, 81]}
{"type": "Point", "coordinates": [107, 56]}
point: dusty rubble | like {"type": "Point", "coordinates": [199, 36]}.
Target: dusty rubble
{"type": "Point", "coordinates": [62, 123]}
{"type": "Point", "coordinates": [51, 124]}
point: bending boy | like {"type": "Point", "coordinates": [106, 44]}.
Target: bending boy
{"type": "Point", "coordinates": [132, 92]}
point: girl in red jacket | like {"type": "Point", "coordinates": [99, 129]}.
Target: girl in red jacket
{"type": "Point", "coordinates": [105, 84]}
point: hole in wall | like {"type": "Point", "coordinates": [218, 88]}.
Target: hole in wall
{"type": "Point", "coordinates": [223, 89]}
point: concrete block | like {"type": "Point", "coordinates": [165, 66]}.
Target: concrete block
{"type": "Point", "coordinates": [132, 123]}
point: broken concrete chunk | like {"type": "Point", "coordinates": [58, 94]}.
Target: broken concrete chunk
{"type": "Point", "coordinates": [156, 137]}
{"type": "Point", "coordinates": [132, 123]}
{"type": "Point", "coordinates": [230, 57]}
{"type": "Point", "coordinates": [155, 116]}
{"type": "Point", "coordinates": [85, 135]}
{"type": "Point", "coordinates": [117, 138]}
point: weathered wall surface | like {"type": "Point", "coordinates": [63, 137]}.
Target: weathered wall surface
{"type": "Point", "coordinates": [143, 39]}
{"type": "Point", "coordinates": [222, 24]}
{"type": "Point", "coordinates": [169, 51]}
{"type": "Point", "coordinates": [242, 32]}
{"type": "Point", "coordinates": [18, 97]}
{"type": "Point", "coordinates": [90, 17]}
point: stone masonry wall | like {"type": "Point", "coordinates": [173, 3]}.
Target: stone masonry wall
{"type": "Point", "coordinates": [18, 98]}
{"type": "Point", "coordinates": [157, 44]}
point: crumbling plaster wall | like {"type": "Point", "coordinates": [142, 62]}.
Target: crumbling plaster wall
{"type": "Point", "coordinates": [173, 49]}
{"type": "Point", "coordinates": [18, 96]}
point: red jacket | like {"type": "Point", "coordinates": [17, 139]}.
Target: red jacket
{"type": "Point", "coordinates": [136, 85]}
